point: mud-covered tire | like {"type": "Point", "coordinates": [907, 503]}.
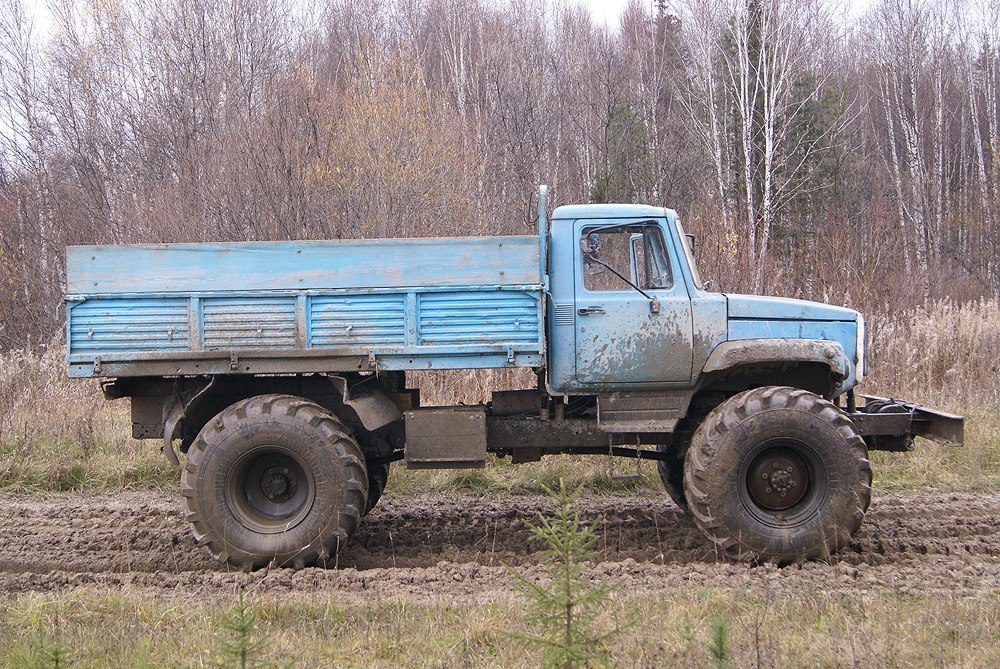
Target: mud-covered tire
{"type": "Point", "coordinates": [671, 473]}
{"type": "Point", "coordinates": [814, 476]}
{"type": "Point", "coordinates": [274, 480]}
{"type": "Point", "coordinates": [378, 475]}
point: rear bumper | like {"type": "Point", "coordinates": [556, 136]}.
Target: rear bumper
{"type": "Point", "coordinates": [890, 425]}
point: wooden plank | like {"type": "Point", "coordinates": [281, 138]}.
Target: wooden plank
{"type": "Point", "coordinates": [381, 263]}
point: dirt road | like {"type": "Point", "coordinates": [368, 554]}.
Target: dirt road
{"type": "Point", "coordinates": [931, 544]}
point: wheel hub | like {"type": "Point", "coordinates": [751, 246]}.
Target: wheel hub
{"type": "Point", "coordinates": [778, 479]}
{"type": "Point", "coordinates": [269, 491]}
{"type": "Point", "coordinates": [276, 484]}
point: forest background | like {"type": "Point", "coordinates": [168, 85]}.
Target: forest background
{"type": "Point", "coordinates": [815, 151]}
{"type": "Point", "coordinates": [813, 155]}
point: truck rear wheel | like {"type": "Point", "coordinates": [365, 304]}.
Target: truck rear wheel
{"type": "Point", "coordinates": [274, 479]}
{"type": "Point", "coordinates": [777, 474]}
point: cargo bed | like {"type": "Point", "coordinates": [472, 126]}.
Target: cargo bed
{"type": "Point", "coordinates": [300, 307]}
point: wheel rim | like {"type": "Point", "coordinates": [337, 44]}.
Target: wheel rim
{"type": "Point", "coordinates": [269, 490]}
{"type": "Point", "coordinates": [783, 482]}
{"type": "Point", "coordinates": [778, 479]}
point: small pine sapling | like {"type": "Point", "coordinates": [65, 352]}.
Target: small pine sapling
{"type": "Point", "coordinates": [242, 646]}
{"type": "Point", "coordinates": [47, 652]}
{"type": "Point", "coordinates": [718, 643]}
{"type": "Point", "coordinates": [566, 606]}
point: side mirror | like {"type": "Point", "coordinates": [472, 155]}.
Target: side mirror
{"type": "Point", "coordinates": [591, 247]}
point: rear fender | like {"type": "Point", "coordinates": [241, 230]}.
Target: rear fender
{"type": "Point", "coordinates": [190, 406]}
{"type": "Point", "coordinates": [367, 398]}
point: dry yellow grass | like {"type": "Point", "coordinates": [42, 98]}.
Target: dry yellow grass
{"type": "Point", "coordinates": [673, 629]}
{"type": "Point", "coordinates": [60, 434]}
{"type": "Point", "coordinates": [943, 353]}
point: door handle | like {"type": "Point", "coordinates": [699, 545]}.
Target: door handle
{"type": "Point", "coordinates": [586, 311]}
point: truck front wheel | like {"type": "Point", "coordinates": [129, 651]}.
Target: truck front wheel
{"type": "Point", "coordinates": [777, 474]}
{"type": "Point", "coordinates": [274, 479]}
{"type": "Point", "coordinates": [671, 473]}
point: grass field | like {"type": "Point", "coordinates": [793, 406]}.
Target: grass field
{"type": "Point", "coordinates": [809, 630]}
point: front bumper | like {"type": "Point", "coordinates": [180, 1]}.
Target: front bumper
{"type": "Point", "coordinates": [890, 425]}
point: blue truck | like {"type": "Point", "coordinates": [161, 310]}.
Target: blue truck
{"type": "Point", "coordinates": [278, 370]}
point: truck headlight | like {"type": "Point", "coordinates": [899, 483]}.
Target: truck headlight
{"type": "Point", "coordinates": [859, 349]}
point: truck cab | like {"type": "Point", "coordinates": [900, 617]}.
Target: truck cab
{"type": "Point", "coordinates": [625, 302]}
{"type": "Point", "coordinates": [628, 312]}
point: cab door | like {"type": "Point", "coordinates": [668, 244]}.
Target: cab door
{"type": "Point", "coordinates": [632, 309]}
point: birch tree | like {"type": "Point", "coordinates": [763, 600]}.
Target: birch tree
{"type": "Point", "coordinates": [912, 41]}
{"type": "Point", "coordinates": [31, 238]}
{"type": "Point", "coordinates": [979, 54]}
{"type": "Point", "coordinates": [755, 67]}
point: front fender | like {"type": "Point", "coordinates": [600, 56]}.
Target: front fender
{"type": "Point", "coordinates": [750, 352]}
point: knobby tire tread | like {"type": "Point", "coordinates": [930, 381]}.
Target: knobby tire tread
{"type": "Point", "coordinates": [700, 476]}
{"type": "Point", "coordinates": [341, 446]}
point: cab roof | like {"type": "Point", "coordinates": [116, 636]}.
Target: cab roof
{"type": "Point", "coordinates": [575, 211]}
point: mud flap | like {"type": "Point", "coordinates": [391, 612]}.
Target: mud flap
{"type": "Point", "coordinates": [171, 419]}
{"type": "Point", "coordinates": [368, 400]}
{"type": "Point", "coordinates": [446, 438]}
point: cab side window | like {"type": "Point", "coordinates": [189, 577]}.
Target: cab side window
{"type": "Point", "coordinates": [620, 257]}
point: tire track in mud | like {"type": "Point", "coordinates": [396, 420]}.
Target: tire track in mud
{"type": "Point", "coordinates": [456, 546]}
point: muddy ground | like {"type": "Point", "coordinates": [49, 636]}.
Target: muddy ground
{"type": "Point", "coordinates": [455, 546]}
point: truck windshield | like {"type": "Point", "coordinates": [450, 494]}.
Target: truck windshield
{"type": "Point", "coordinates": [690, 256]}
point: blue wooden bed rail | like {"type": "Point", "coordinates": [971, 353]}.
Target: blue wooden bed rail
{"type": "Point", "coordinates": [297, 307]}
